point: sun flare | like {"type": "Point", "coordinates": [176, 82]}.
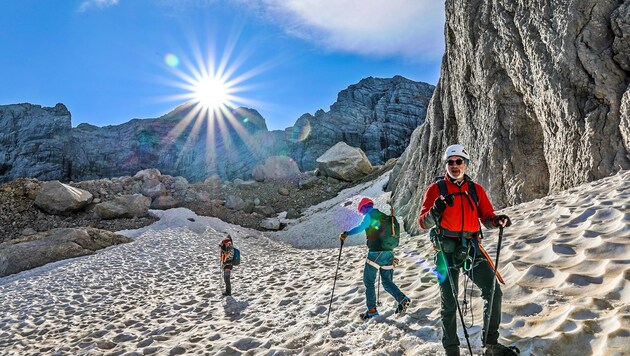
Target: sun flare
{"type": "Point", "coordinates": [211, 92]}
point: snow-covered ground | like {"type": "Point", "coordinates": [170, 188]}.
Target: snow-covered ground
{"type": "Point", "coordinates": [566, 261]}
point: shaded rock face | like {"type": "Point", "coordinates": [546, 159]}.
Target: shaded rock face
{"type": "Point", "coordinates": [34, 142]}
{"type": "Point", "coordinates": [182, 143]}
{"type": "Point", "coordinates": [377, 115]}
{"type": "Point", "coordinates": [537, 93]}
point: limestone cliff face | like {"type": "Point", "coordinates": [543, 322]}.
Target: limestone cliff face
{"type": "Point", "coordinates": [537, 91]}
{"type": "Point", "coordinates": [34, 141]}
{"type": "Point", "coordinates": [377, 115]}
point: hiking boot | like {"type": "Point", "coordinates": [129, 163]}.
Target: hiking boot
{"type": "Point", "coordinates": [368, 314]}
{"type": "Point", "coordinates": [402, 305]}
{"type": "Point", "coordinates": [226, 294]}
{"type": "Point", "coordinates": [452, 351]}
{"type": "Point", "coordinates": [500, 350]}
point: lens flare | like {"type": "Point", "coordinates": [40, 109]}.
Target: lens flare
{"type": "Point", "coordinates": [171, 60]}
{"type": "Point", "coordinates": [300, 131]}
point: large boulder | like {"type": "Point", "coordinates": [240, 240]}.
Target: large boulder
{"type": "Point", "coordinates": [276, 167]}
{"type": "Point", "coordinates": [58, 244]}
{"type": "Point", "coordinates": [59, 199]}
{"type": "Point", "coordinates": [537, 93]}
{"type": "Point", "coordinates": [124, 206]}
{"type": "Point", "coordinates": [344, 162]}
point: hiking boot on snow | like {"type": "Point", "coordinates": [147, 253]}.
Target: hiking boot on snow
{"type": "Point", "coordinates": [368, 314]}
{"type": "Point", "coordinates": [500, 350]}
{"type": "Point", "coordinates": [402, 305]}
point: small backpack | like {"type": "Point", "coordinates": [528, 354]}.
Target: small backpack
{"type": "Point", "coordinates": [237, 257]}
{"type": "Point", "coordinates": [384, 232]}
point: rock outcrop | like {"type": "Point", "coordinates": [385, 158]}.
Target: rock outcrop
{"type": "Point", "coordinates": [58, 244]}
{"type": "Point", "coordinates": [377, 115]}
{"type": "Point", "coordinates": [538, 93]}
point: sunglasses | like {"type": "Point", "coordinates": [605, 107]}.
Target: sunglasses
{"type": "Point", "coordinates": [458, 162]}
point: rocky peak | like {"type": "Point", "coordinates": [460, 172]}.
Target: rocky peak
{"type": "Point", "coordinates": [376, 115]}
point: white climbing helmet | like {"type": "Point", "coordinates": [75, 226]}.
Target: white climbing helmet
{"type": "Point", "coordinates": [456, 150]}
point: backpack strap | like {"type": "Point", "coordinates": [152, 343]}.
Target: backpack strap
{"type": "Point", "coordinates": [472, 191]}
{"type": "Point", "coordinates": [391, 208]}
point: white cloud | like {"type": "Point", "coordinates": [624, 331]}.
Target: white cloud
{"type": "Point", "coordinates": [100, 4]}
{"type": "Point", "coordinates": [412, 28]}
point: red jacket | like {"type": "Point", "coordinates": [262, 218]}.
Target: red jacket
{"type": "Point", "coordinates": [464, 215]}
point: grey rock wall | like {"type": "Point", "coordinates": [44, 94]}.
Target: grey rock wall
{"type": "Point", "coordinates": [34, 141]}
{"type": "Point", "coordinates": [377, 115]}
{"type": "Point", "coordinates": [538, 93]}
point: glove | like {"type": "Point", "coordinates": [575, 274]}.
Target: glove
{"type": "Point", "coordinates": [439, 205]}
{"type": "Point", "coordinates": [450, 199]}
{"type": "Point", "coordinates": [343, 236]}
{"type": "Point", "coordinates": [501, 220]}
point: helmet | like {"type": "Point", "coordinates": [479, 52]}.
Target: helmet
{"type": "Point", "coordinates": [455, 150]}
{"type": "Point", "coordinates": [364, 202]}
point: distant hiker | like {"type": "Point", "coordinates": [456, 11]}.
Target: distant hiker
{"type": "Point", "coordinates": [382, 233]}
{"type": "Point", "coordinates": [227, 257]}
{"type": "Point", "coordinates": [452, 208]}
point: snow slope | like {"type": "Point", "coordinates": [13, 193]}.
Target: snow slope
{"type": "Point", "coordinates": [566, 261]}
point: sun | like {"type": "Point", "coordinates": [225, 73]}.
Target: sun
{"type": "Point", "coordinates": [211, 92]}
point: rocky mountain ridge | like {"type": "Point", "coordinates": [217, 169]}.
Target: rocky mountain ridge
{"type": "Point", "coordinates": [376, 115]}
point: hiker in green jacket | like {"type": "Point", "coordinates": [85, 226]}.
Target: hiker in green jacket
{"type": "Point", "coordinates": [379, 258]}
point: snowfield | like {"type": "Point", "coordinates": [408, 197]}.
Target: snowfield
{"type": "Point", "coordinates": [566, 262]}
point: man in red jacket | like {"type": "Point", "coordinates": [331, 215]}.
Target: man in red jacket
{"type": "Point", "coordinates": [453, 207]}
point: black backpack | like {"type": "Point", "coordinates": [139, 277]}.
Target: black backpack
{"type": "Point", "coordinates": [384, 231]}
{"type": "Point", "coordinates": [471, 188]}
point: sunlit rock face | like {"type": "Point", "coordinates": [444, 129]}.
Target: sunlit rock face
{"type": "Point", "coordinates": [34, 142]}
{"type": "Point", "coordinates": [536, 91]}
{"type": "Point", "coordinates": [377, 115]}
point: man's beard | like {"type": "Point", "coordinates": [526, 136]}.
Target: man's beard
{"type": "Point", "coordinates": [461, 175]}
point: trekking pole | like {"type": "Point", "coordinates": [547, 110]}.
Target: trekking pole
{"type": "Point", "coordinates": [221, 275]}
{"type": "Point", "coordinates": [334, 282]}
{"type": "Point", "coordinates": [378, 289]}
{"type": "Point", "coordinates": [459, 309]}
{"type": "Point", "coordinates": [494, 284]}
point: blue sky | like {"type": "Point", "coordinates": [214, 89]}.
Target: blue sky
{"type": "Point", "coordinates": [110, 61]}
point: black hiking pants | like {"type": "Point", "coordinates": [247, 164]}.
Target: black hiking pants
{"type": "Point", "coordinates": [483, 276]}
{"type": "Point", "coordinates": [227, 272]}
